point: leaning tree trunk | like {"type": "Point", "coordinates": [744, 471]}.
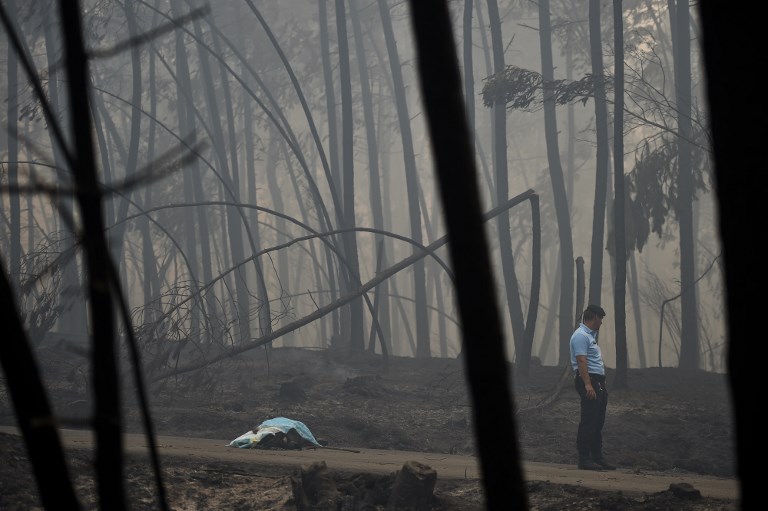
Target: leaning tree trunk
{"type": "Point", "coordinates": [31, 406]}
{"type": "Point", "coordinates": [12, 111]}
{"type": "Point", "coordinates": [108, 418]}
{"type": "Point", "coordinates": [484, 348]}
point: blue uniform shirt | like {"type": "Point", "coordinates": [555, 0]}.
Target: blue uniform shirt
{"type": "Point", "coordinates": [583, 342]}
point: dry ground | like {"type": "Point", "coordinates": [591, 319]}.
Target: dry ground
{"type": "Point", "coordinates": [664, 421]}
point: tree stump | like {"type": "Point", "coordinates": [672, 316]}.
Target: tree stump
{"type": "Point", "coordinates": [314, 489]}
{"type": "Point", "coordinates": [413, 488]}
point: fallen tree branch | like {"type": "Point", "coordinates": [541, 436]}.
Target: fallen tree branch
{"type": "Point", "coordinates": [322, 311]}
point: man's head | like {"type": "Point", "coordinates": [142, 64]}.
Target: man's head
{"type": "Point", "coordinates": [593, 316]}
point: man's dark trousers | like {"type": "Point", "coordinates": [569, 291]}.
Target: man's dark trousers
{"type": "Point", "coordinates": [589, 440]}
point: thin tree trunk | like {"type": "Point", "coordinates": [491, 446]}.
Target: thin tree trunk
{"type": "Point", "coordinates": [188, 130]}
{"type": "Point", "coordinates": [423, 349]}
{"type": "Point", "coordinates": [620, 250]}
{"type": "Point", "coordinates": [73, 318]}
{"type": "Point", "coordinates": [234, 229]}
{"type": "Point", "coordinates": [634, 291]}
{"type": "Point", "coordinates": [132, 156]}
{"type": "Point", "coordinates": [330, 95]}
{"type": "Point", "coordinates": [478, 141]}
{"type": "Point", "coordinates": [331, 283]}
{"type": "Point", "coordinates": [333, 145]}
{"type": "Point", "coordinates": [108, 418]}
{"type": "Point", "coordinates": [283, 269]}
{"type": "Point", "coordinates": [566, 312]}
{"type": "Point", "coordinates": [689, 335]}
{"type": "Point", "coordinates": [151, 281]}
{"type": "Point", "coordinates": [549, 340]}
{"type": "Point", "coordinates": [571, 123]}
{"type": "Point", "coordinates": [356, 331]}
{"type": "Point", "coordinates": [511, 285]}
{"type": "Point", "coordinates": [601, 158]}
{"type": "Point", "coordinates": [469, 72]}
{"type": "Point", "coordinates": [382, 308]}
{"type": "Point", "coordinates": [14, 201]}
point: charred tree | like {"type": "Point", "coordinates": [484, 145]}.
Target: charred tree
{"type": "Point", "coordinates": [565, 237]}
{"type": "Point", "coordinates": [620, 251]}
{"type": "Point", "coordinates": [501, 172]}
{"type": "Point", "coordinates": [423, 349]}
{"type": "Point", "coordinates": [484, 351]}
{"type": "Point", "coordinates": [601, 157]}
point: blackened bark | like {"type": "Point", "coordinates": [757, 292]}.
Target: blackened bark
{"type": "Point", "coordinates": [32, 408]}
{"type": "Point", "coordinates": [485, 360]}
{"type": "Point", "coordinates": [729, 35]}
{"type": "Point", "coordinates": [565, 309]}
{"type": "Point", "coordinates": [107, 421]}
{"type": "Point", "coordinates": [382, 308]}
{"type": "Point", "coordinates": [14, 201]}
{"type": "Point", "coordinates": [511, 282]}
{"type": "Point", "coordinates": [601, 157]}
{"type": "Point", "coordinates": [423, 349]}
{"type": "Point", "coordinates": [620, 251]}
{"type": "Point", "coordinates": [356, 334]}
{"type": "Point", "coordinates": [689, 331]}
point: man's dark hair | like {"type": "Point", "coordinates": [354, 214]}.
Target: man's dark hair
{"type": "Point", "coordinates": [592, 311]}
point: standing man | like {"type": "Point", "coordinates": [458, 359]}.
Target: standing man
{"type": "Point", "coordinates": [589, 373]}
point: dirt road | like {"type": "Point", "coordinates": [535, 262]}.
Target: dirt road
{"type": "Point", "coordinates": [384, 462]}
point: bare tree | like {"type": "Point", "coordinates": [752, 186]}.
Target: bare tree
{"type": "Point", "coordinates": [620, 251]}
{"type": "Point", "coordinates": [565, 237]}
{"type": "Point", "coordinates": [501, 172]}
{"type": "Point", "coordinates": [690, 349]}
{"type": "Point", "coordinates": [423, 349]}
{"type": "Point", "coordinates": [601, 158]}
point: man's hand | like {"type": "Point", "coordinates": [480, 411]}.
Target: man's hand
{"type": "Point", "coordinates": [581, 360]}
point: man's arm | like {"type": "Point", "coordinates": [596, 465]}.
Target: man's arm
{"type": "Point", "coordinates": [581, 360]}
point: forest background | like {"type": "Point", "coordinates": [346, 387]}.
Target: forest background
{"type": "Point", "coordinates": [266, 179]}
{"type": "Point", "coordinates": [210, 109]}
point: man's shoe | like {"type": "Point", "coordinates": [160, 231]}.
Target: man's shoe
{"type": "Point", "coordinates": [589, 465]}
{"type": "Point", "coordinates": [604, 464]}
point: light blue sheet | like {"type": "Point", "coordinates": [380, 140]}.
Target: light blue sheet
{"type": "Point", "coordinates": [248, 440]}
